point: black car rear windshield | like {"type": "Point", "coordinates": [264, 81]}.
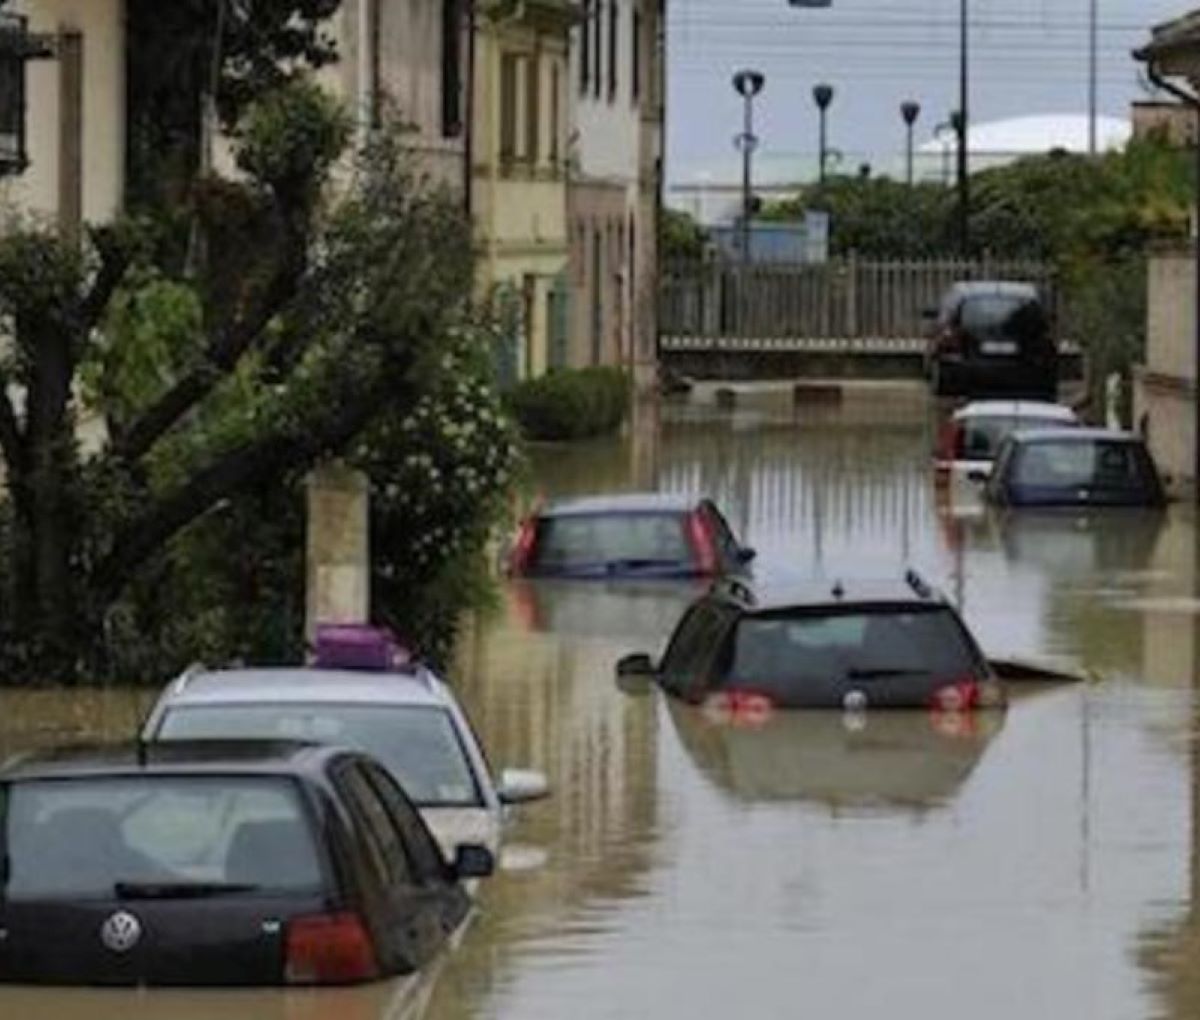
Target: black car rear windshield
{"type": "Point", "coordinates": [581, 540]}
{"type": "Point", "coordinates": [1100, 464]}
{"type": "Point", "coordinates": [102, 837]}
{"type": "Point", "coordinates": [1003, 324]}
{"type": "Point", "coordinates": [780, 653]}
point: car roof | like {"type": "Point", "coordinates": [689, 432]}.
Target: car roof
{"type": "Point", "coordinates": [183, 757]}
{"type": "Point", "coordinates": [1001, 288]}
{"type": "Point", "coordinates": [1076, 435]}
{"type": "Point", "coordinates": [629, 502]}
{"type": "Point", "coordinates": [1015, 409]}
{"type": "Point", "coordinates": [301, 685]}
{"type": "Point", "coordinates": [826, 593]}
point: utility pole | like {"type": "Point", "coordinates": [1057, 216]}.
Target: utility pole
{"type": "Point", "coordinates": [964, 122]}
{"type": "Point", "coordinates": [1093, 74]}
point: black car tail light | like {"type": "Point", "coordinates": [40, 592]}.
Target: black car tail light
{"type": "Point", "coordinates": [329, 949]}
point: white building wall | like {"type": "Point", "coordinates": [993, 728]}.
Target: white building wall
{"type": "Point", "coordinates": [101, 24]}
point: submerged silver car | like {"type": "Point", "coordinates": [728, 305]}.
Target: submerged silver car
{"type": "Point", "coordinates": [405, 718]}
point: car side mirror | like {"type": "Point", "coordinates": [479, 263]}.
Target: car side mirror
{"type": "Point", "coordinates": [520, 786]}
{"type": "Point", "coordinates": [637, 665]}
{"type": "Point", "coordinates": [978, 476]}
{"type": "Point", "coordinates": [473, 861]}
{"type": "Point", "coordinates": [746, 554]}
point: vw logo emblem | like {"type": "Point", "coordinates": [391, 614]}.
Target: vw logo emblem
{"type": "Point", "coordinates": [121, 932]}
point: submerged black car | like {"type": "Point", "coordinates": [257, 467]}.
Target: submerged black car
{"type": "Point", "coordinates": [247, 863]}
{"type": "Point", "coordinates": [742, 653]}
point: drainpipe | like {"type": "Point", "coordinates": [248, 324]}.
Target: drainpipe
{"type": "Point", "coordinates": [1192, 100]}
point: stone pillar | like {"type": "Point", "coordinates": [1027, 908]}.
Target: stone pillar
{"type": "Point", "coordinates": [338, 547]}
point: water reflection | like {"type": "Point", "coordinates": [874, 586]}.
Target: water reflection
{"type": "Point", "coordinates": [881, 761]}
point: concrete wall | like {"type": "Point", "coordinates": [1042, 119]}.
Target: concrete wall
{"type": "Point", "coordinates": [1164, 388]}
{"type": "Point", "coordinates": [102, 139]}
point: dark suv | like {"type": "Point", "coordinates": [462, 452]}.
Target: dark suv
{"type": "Point", "coordinates": [219, 863]}
{"type": "Point", "coordinates": [993, 338]}
{"type": "Point", "coordinates": [742, 653]}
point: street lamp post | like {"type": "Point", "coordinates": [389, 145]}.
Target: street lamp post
{"type": "Point", "coordinates": [910, 111]}
{"type": "Point", "coordinates": [747, 84]}
{"type": "Point", "coordinates": [823, 95]}
{"type": "Point", "coordinates": [963, 126]}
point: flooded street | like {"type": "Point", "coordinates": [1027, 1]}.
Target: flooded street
{"type": "Point", "coordinates": [1040, 864]}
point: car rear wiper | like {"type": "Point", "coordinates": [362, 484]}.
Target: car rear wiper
{"type": "Point", "coordinates": [643, 563]}
{"type": "Point", "coordinates": [179, 890]}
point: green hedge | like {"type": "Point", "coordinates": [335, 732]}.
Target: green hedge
{"type": "Point", "coordinates": [571, 403]}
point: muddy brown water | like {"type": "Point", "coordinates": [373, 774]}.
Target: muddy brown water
{"type": "Point", "coordinates": [1044, 863]}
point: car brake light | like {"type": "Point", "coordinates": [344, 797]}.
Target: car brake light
{"type": "Point", "coordinates": [957, 696]}
{"type": "Point", "coordinates": [950, 441]}
{"type": "Point", "coordinates": [702, 543]}
{"type": "Point", "coordinates": [739, 706]}
{"type": "Point", "coordinates": [523, 547]}
{"type": "Point", "coordinates": [329, 949]}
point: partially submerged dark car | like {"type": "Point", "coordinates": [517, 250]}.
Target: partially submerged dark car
{"type": "Point", "coordinates": [742, 653]}
{"type": "Point", "coordinates": [219, 863]}
{"type": "Point", "coordinates": [1081, 468]}
{"type": "Point", "coordinates": [993, 338]}
{"type": "Point", "coordinates": [638, 535]}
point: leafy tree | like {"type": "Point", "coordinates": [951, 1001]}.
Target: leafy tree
{"type": "Point", "coordinates": [316, 315]}
{"type": "Point", "coordinates": [682, 237]}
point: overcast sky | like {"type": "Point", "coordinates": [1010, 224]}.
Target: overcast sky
{"type": "Point", "coordinates": [1029, 56]}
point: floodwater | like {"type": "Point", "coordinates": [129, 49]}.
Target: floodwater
{"type": "Point", "coordinates": [1040, 864]}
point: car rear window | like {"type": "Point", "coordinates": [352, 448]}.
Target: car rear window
{"type": "Point", "coordinates": [1002, 325]}
{"type": "Point", "coordinates": [981, 437]}
{"type": "Point", "coordinates": [1096, 464]}
{"type": "Point", "coordinates": [418, 744]}
{"type": "Point", "coordinates": [73, 838]}
{"type": "Point", "coordinates": [779, 653]}
{"type": "Point", "coordinates": [580, 540]}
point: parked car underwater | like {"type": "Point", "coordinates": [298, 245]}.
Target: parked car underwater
{"type": "Point", "coordinates": [743, 653]}
{"type": "Point", "coordinates": [993, 338]}
{"type": "Point", "coordinates": [1075, 468]}
{"type": "Point", "coordinates": [972, 436]}
{"type": "Point", "coordinates": [360, 692]}
{"type": "Point", "coordinates": [237, 863]}
{"type": "Point", "coordinates": [637, 535]}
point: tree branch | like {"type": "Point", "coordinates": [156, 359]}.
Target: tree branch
{"type": "Point", "coordinates": [266, 459]}
{"type": "Point", "coordinates": [115, 261]}
{"type": "Point", "coordinates": [222, 357]}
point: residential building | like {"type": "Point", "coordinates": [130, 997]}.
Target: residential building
{"type": "Point", "coordinates": [409, 57]}
{"type": "Point", "coordinates": [1165, 390]}
{"type": "Point", "coordinates": [74, 120]}
{"type": "Point", "coordinates": [1173, 122]}
{"type": "Point", "coordinates": [617, 94]}
{"type": "Point", "coordinates": [519, 179]}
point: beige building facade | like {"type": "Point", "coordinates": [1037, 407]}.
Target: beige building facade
{"type": "Point", "coordinates": [1165, 388]}
{"type": "Point", "coordinates": [75, 112]}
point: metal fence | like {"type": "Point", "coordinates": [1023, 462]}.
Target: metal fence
{"type": "Point", "coordinates": [847, 298]}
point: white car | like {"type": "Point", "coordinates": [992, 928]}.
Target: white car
{"type": "Point", "coordinates": [968, 441]}
{"type": "Point", "coordinates": [404, 717]}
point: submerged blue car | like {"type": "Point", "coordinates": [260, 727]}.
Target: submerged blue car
{"type": "Point", "coordinates": [639, 535]}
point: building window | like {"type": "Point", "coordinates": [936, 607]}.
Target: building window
{"type": "Point", "coordinates": [597, 47]}
{"type": "Point", "coordinates": [636, 61]}
{"type": "Point", "coordinates": [509, 68]}
{"type": "Point", "coordinates": [585, 48]}
{"type": "Point", "coordinates": [533, 75]}
{"type": "Point", "coordinates": [452, 121]}
{"type": "Point", "coordinates": [614, 28]}
{"type": "Point", "coordinates": [555, 113]}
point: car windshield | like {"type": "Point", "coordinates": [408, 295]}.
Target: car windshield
{"type": "Point", "coordinates": [581, 540]}
{"type": "Point", "coordinates": [1001, 323]}
{"type": "Point", "coordinates": [982, 436]}
{"type": "Point", "coordinates": [101, 837]}
{"type": "Point", "coordinates": [418, 744]}
{"type": "Point", "coordinates": [779, 653]}
{"type": "Point", "coordinates": [1095, 464]}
